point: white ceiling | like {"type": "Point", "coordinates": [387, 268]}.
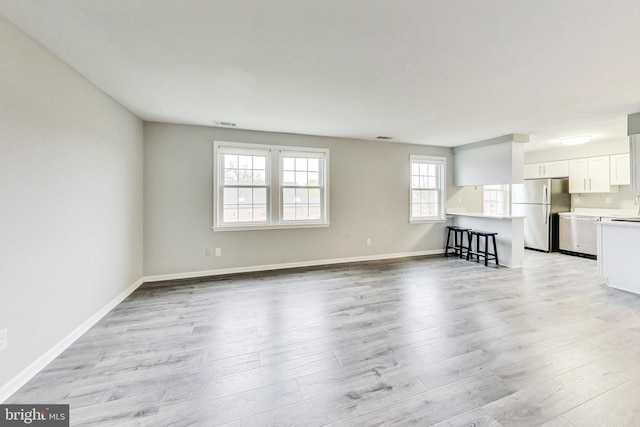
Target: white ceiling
{"type": "Point", "coordinates": [422, 71]}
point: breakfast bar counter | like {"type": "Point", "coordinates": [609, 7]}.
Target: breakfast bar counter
{"type": "Point", "coordinates": [510, 231]}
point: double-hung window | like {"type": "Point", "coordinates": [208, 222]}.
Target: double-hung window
{"type": "Point", "coordinates": [495, 199]}
{"type": "Point", "coordinates": [427, 188]}
{"type": "Point", "coordinates": [244, 187]}
{"type": "Point", "coordinates": [302, 186]}
{"type": "Point", "coordinates": [260, 186]}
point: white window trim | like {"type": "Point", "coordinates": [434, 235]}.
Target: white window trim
{"type": "Point", "coordinates": [274, 188]}
{"type": "Point", "coordinates": [442, 161]}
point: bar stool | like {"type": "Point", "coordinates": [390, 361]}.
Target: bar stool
{"type": "Point", "coordinates": [483, 253]}
{"type": "Point", "coordinates": [458, 240]}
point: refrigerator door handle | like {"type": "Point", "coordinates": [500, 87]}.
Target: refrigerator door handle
{"type": "Point", "coordinates": [545, 203]}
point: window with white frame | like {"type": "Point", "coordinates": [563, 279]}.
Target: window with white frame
{"type": "Point", "coordinates": [259, 186]}
{"type": "Point", "coordinates": [244, 185]}
{"type": "Point", "coordinates": [302, 188]}
{"type": "Point", "coordinates": [495, 199]}
{"type": "Point", "coordinates": [427, 188]}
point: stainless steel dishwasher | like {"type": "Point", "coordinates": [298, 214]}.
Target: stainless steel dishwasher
{"type": "Point", "coordinates": [579, 234]}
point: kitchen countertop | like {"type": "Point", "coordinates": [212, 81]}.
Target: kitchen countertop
{"type": "Point", "coordinates": [609, 222]}
{"type": "Point", "coordinates": [607, 213]}
{"type": "Point", "coordinates": [483, 215]}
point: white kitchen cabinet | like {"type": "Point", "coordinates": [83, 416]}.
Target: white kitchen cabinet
{"type": "Point", "coordinates": [590, 175]}
{"type": "Point", "coordinates": [558, 169]}
{"type": "Point", "coordinates": [532, 171]}
{"type": "Point", "coordinates": [599, 176]}
{"type": "Point", "coordinates": [620, 169]}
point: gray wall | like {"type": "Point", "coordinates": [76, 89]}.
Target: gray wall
{"type": "Point", "coordinates": [369, 198]}
{"type": "Point", "coordinates": [70, 200]}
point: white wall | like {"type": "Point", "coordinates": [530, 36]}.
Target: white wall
{"type": "Point", "coordinates": [70, 200]}
{"type": "Point", "coordinates": [369, 198]}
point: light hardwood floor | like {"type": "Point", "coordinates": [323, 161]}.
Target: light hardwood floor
{"type": "Point", "coordinates": [421, 341]}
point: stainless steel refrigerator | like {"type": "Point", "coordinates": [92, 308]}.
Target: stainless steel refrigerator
{"type": "Point", "coordinates": [540, 201]}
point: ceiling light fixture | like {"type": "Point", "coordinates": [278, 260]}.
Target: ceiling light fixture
{"type": "Point", "coordinates": [225, 124]}
{"type": "Point", "coordinates": [576, 140]}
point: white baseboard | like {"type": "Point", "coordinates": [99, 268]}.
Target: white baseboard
{"type": "Point", "coordinates": [251, 269]}
{"type": "Point", "coordinates": [30, 371]}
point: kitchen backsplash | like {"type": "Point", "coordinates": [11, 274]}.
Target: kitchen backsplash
{"type": "Point", "coordinates": [623, 199]}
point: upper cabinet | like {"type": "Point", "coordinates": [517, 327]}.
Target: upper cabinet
{"type": "Point", "coordinates": [590, 175]}
{"type": "Point", "coordinates": [559, 169]}
{"type": "Point", "coordinates": [620, 169]}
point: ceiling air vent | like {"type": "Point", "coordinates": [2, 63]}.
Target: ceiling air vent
{"type": "Point", "coordinates": [384, 137]}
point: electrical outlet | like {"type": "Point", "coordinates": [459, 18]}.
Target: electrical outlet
{"type": "Point", "coordinates": [4, 343]}
{"type": "Point", "coordinates": [207, 252]}
{"type": "Point", "coordinates": [368, 242]}
{"type": "Point", "coordinates": [577, 200]}
{"type": "Point", "coordinates": [218, 251]}
{"type": "Point", "coordinates": [607, 200]}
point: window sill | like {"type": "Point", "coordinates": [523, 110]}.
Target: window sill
{"type": "Point", "coordinates": [270, 227]}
